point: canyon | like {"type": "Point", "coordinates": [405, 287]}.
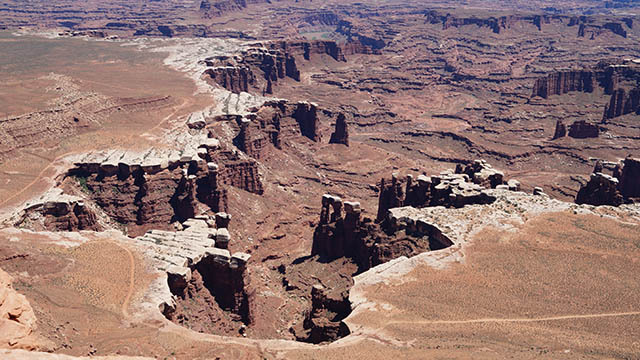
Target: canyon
{"type": "Point", "coordinates": [294, 179]}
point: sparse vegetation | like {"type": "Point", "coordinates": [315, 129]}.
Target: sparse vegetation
{"type": "Point", "coordinates": [82, 181]}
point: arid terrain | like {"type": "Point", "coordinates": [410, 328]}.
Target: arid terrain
{"type": "Point", "coordinates": [224, 179]}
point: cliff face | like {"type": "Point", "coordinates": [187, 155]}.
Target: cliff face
{"type": "Point", "coordinates": [630, 179]}
{"type": "Point", "coordinates": [56, 211]}
{"type": "Point", "coordinates": [601, 189]}
{"type": "Point", "coordinates": [238, 172]}
{"type": "Point", "coordinates": [211, 294]}
{"type": "Point", "coordinates": [263, 64]}
{"type": "Point", "coordinates": [215, 8]}
{"type": "Point", "coordinates": [237, 73]}
{"type": "Point", "coordinates": [366, 243]}
{"type": "Point", "coordinates": [307, 48]}
{"type": "Point", "coordinates": [622, 102]}
{"type": "Point", "coordinates": [234, 79]}
{"type": "Point", "coordinates": [323, 322]}
{"type": "Point", "coordinates": [563, 82]}
{"type": "Point", "coordinates": [278, 123]}
{"type": "Point", "coordinates": [158, 189]}
{"type": "Point", "coordinates": [560, 131]}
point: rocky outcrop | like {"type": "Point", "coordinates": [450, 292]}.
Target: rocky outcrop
{"type": "Point", "coordinates": [17, 319]}
{"type": "Point", "coordinates": [582, 129]}
{"type": "Point", "coordinates": [56, 211]}
{"type": "Point", "coordinates": [276, 122]}
{"type": "Point", "coordinates": [237, 171]}
{"type": "Point", "coordinates": [206, 281]}
{"type": "Point", "coordinates": [237, 73]}
{"type": "Point", "coordinates": [368, 244]}
{"type": "Point", "coordinates": [464, 187]}
{"type": "Point", "coordinates": [616, 28]}
{"type": "Point", "coordinates": [348, 235]}
{"type": "Point", "coordinates": [559, 83]}
{"type": "Point", "coordinates": [323, 322]}
{"type": "Point", "coordinates": [158, 187]}
{"type": "Point", "coordinates": [262, 64]}
{"type": "Point", "coordinates": [630, 179]}
{"type": "Point", "coordinates": [622, 102]}
{"type": "Point", "coordinates": [307, 48]}
{"type": "Point", "coordinates": [561, 130]}
{"type": "Point", "coordinates": [233, 78]}
{"type": "Point", "coordinates": [341, 133]}
{"type": "Point", "coordinates": [482, 173]}
{"type": "Point", "coordinates": [603, 189]}
{"type": "Point", "coordinates": [214, 8]}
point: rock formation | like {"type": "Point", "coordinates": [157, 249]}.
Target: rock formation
{"type": "Point", "coordinates": [199, 267]}
{"type": "Point", "coordinates": [341, 133]}
{"type": "Point", "coordinates": [233, 78]}
{"type": "Point", "coordinates": [215, 8]}
{"type": "Point", "coordinates": [237, 73]}
{"type": "Point", "coordinates": [559, 83]}
{"type": "Point", "coordinates": [458, 189]}
{"type": "Point", "coordinates": [276, 122]}
{"type": "Point", "coordinates": [582, 129]}
{"type": "Point", "coordinates": [630, 179]}
{"type": "Point", "coordinates": [622, 102]}
{"type": "Point", "coordinates": [322, 322]}
{"type": "Point", "coordinates": [157, 188]}
{"type": "Point", "coordinates": [56, 211]}
{"type": "Point", "coordinates": [561, 130]}
{"type": "Point", "coordinates": [603, 189]}
{"type": "Point", "coordinates": [307, 48]}
{"type": "Point", "coordinates": [368, 244]}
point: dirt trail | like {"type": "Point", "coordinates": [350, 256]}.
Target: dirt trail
{"type": "Point", "coordinates": [515, 320]}
{"type": "Point", "coordinates": [132, 267]}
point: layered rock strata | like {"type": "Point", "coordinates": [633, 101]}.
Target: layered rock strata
{"type": "Point", "coordinates": [158, 187]}
{"type": "Point", "coordinates": [239, 73]}
{"type": "Point", "coordinates": [262, 65]}
{"type": "Point", "coordinates": [563, 82]}
{"type": "Point", "coordinates": [367, 243]}
{"type": "Point", "coordinates": [198, 265]}
{"type": "Point", "coordinates": [582, 129]}
{"type": "Point", "coordinates": [276, 122]}
{"type": "Point", "coordinates": [55, 211]}
{"type": "Point", "coordinates": [622, 102]}
{"type": "Point", "coordinates": [465, 186]}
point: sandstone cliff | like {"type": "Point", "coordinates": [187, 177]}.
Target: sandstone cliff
{"type": "Point", "coordinates": [563, 82]}
{"type": "Point", "coordinates": [17, 319]}
{"type": "Point", "coordinates": [156, 188]}
{"type": "Point", "coordinates": [622, 102]}
{"type": "Point", "coordinates": [279, 123]}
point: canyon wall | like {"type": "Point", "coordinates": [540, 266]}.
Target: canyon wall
{"type": "Point", "coordinates": [276, 122]}
{"type": "Point", "coordinates": [563, 82]}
